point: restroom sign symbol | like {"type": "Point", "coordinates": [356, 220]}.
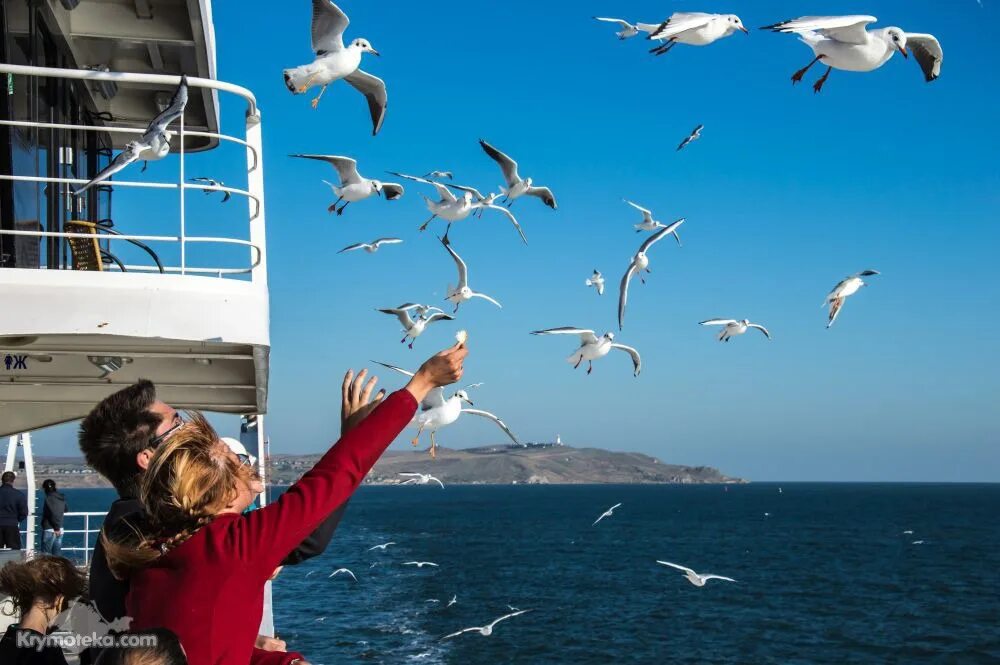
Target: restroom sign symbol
{"type": "Point", "coordinates": [12, 362]}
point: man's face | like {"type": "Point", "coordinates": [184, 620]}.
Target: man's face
{"type": "Point", "coordinates": [168, 416]}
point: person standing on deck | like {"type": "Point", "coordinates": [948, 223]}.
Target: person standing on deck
{"type": "Point", "coordinates": [52, 518]}
{"type": "Point", "coordinates": [13, 511]}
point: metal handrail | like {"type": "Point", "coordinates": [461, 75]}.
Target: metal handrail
{"type": "Point", "coordinates": [87, 531]}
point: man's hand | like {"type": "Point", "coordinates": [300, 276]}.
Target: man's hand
{"type": "Point", "coordinates": [267, 643]}
{"type": "Point", "coordinates": [357, 402]}
{"type": "Point", "coordinates": [439, 370]}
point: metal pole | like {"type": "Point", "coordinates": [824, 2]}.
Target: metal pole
{"type": "Point", "coordinates": [11, 454]}
{"type": "Point", "coordinates": [29, 474]}
{"type": "Point", "coordinates": [181, 191]}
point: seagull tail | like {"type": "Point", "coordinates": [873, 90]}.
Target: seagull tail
{"type": "Point", "coordinates": [575, 358]}
{"type": "Point", "coordinates": [294, 78]}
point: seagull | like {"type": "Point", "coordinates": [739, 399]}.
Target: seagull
{"type": "Point", "coordinates": [694, 136]}
{"type": "Point", "coordinates": [909, 532]}
{"type": "Point", "coordinates": [336, 61]}
{"type": "Point", "coordinates": [460, 293]}
{"type": "Point", "coordinates": [436, 412]}
{"type": "Point", "coordinates": [696, 579]}
{"type": "Point", "coordinates": [843, 42]}
{"type": "Point", "coordinates": [513, 609]}
{"type": "Point", "coordinates": [516, 187]}
{"type": "Point", "coordinates": [627, 29]}
{"type": "Point", "coordinates": [453, 209]}
{"type": "Point", "coordinates": [846, 287]}
{"type": "Point", "coordinates": [732, 327]}
{"type": "Point", "coordinates": [454, 599]}
{"type": "Point", "coordinates": [480, 202]}
{"type": "Point", "coordinates": [211, 182]}
{"type": "Point", "coordinates": [381, 547]}
{"type": "Point", "coordinates": [650, 224]}
{"type": "Point", "coordinates": [593, 347]}
{"type": "Point", "coordinates": [421, 310]}
{"type": "Point", "coordinates": [448, 175]}
{"type": "Point", "coordinates": [345, 571]}
{"type": "Point", "coordinates": [694, 29]}
{"type": "Point", "coordinates": [310, 573]}
{"type": "Point", "coordinates": [154, 143]}
{"type": "Point", "coordinates": [414, 329]}
{"type": "Point", "coordinates": [597, 281]}
{"type": "Point", "coordinates": [420, 564]}
{"type": "Point", "coordinates": [353, 187]}
{"type": "Point", "coordinates": [486, 630]}
{"type": "Point", "coordinates": [420, 479]}
{"type": "Point", "coordinates": [607, 513]}
{"type": "Point", "coordinates": [639, 263]}
{"type": "Point", "coordinates": [917, 542]}
{"type": "Point", "coordinates": [371, 247]}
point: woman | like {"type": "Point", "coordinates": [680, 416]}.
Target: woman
{"type": "Point", "coordinates": [200, 565]}
{"type": "Point", "coordinates": [39, 589]}
{"type": "Point", "coordinates": [52, 518]}
{"type": "Point", "coordinates": [155, 647]}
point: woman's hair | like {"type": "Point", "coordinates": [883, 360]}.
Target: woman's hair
{"type": "Point", "coordinates": [42, 579]}
{"type": "Point", "coordinates": [165, 649]}
{"type": "Point", "coordinates": [190, 479]}
{"type": "Point", "coordinates": [49, 485]}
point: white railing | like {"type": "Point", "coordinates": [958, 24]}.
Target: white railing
{"type": "Point", "coordinates": [79, 545]}
{"type": "Point", "coordinates": [254, 192]}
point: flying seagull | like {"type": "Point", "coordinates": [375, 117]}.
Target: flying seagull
{"type": "Point", "coordinates": [597, 281]}
{"type": "Point", "coordinates": [486, 630]}
{"type": "Point", "coordinates": [211, 182]}
{"type": "Point", "coordinates": [353, 187]}
{"type": "Point", "coordinates": [846, 287]}
{"type": "Point", "coordinates": [517, 187]}
{"type": "Point", "coordinates": [414, 329]}
{"type": "Point", "coordinates": [732, 327]}
{"type": "Point", "coordinates": [844, 42]}
{"type": "Point", "coordinates": [448, 175]}
{"type": "Point", "coordinates": [640, 263]}
{"type": "Point", "coordinates": [696, 579]}
{"type": "Point", "coordinates": [694, 29]}
{"type": "Point", "coordinates": [345, 571]}
{"type": "Point", "coordinates": [454, 599]}
{"type": "Point", "coordinates": [154, 143]}
{"type": "Point", "coordinates": [627, 29]}
{"type": "Point", "coordinates": [461, 293]}
{"type": "Point", "coordinates": [650, 224]}
{"type": "Point", "coordinates": [420, 479]}
{"type": "Point", "coordinates": [371, 247]}
{"type": "Point", "coordinates": [335, 61]}
{"type": "Point", "coordinates": [382, 547]}
{"type": "Point", "coordinates": [420, 564]}
{"type": "Point", "coordinates": [695, 135]}
{"type": "Point", "coordinates": [420, 310]}
{"type": "Point", "coordinates": [593, 347]}
{"type": "Point", "coordinates": [607, 513]}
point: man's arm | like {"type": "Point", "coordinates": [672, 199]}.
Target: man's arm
{"type": "Point", "coordinates": [316, 542]}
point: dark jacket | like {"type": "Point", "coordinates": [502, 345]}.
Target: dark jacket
{"type": "Point", "coordinates": [13, 506]}
{"type": "Point", "coordinates": [53, 510]}
{"type": "Point", "coordinates": [10, 654]}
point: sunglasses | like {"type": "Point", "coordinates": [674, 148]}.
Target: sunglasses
{"type": "Point", "coordinates": [246, 460]}
{"type": "Point", "coordinates": [155, 442]}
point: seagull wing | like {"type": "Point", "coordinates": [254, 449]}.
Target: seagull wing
{"type": "Point", "coordinates": [507, 616]}
{"type": "Point", "coordinates": [507, 165]}
{"type": "Point", "coordinates": [867, 273]}
{"type": "Point", "coordinates": [927, 51]}
{"type": "Point", "coordinates": [545, 194]}
{"type": "Point", "coordinates": [716, 577]}
{"type": "Point", "coordinates": [760, 328]}
{"type": "Point", "coordinates": [645, 213]}
{"type": "Point", "coordinates": [440, 316]}
{"type": "Point", "coordinates": [622, 22]}
{"type": "Point", "coordinates": [636, 361]}
{"type": "Point", "coordinates": [392, 190]}
{"type": "Point", "coordinates": [623, 293]}
{"type": "Point", "coordinates": [328, 25]}
{"type": "Point", "coordinates": [656, 237]}
{"type": "Point", "coordinates": [173, 111]}
{"type": "Point", "coordinates": [847, 29]}
{"type": "Point", "coordinates": [351, 248]}
{"type": "Point", "coordinates": [443, 191]}
{"type": "Point", "coordinates": [677, 566]}
{"type": "Point", "coordinates": [500, 423]}
{"type": "Point", "coordinates": [386, 241]}
{"type": "Point", "coordinates": [402, 315]}
{"type": "Point", "coordinates": [513, 220]}
{"type": "Point", "coordinates": [472, 190]}
{"type": "Point", "coordinates": [436, 480]}
{"type": "Point", "coordinates": [680, 22]}
{"type": "Point", "coordinates": [586, 336]}
{"type": "Point", "coordinates": [460, 632]}
{"type": "Point", "coordinates": [476, 294]}
{"type": "Point", "coordinates": [463, 270]}
{"type": "Point", "coordinates": [347, 168]}
{"type": "Point", "coordinates": [717, 322]}
{"type": "Point", "coordinates": [124, 158]}
{"type": "Point", "coordinates": [373, 88]}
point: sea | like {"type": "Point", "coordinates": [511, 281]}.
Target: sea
{"type": "Point", "coordinates": [825, 573]}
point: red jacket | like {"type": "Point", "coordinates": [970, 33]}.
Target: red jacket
{"type": "Point", "coordinates": [210, 589]}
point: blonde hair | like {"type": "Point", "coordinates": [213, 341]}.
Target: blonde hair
{"type": "Point", "coordinates": [191, 478]}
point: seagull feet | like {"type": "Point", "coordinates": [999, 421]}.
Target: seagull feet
{"type": "Point", "coordinates": [340, 211]}
{"type": "Point", "coordinates": [797, 76]}
{"type": "Point", "coordinates": [818, 85]}
{"type": "Point", "coordinates": [302, 88]}
{"type": "Point", "coordinates": [314, 103]}
{"type": "Point", "coordinates": [332, 208]}
{"type": "Point", "coordinates": [415, 441]}
{"type": "Point", "coordinates": [410, 345]}
{"type": "Point", "coordinates": [590, 367]}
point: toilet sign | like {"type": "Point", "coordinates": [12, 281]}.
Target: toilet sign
{"type": "Point", "coordinates": [12, 362]}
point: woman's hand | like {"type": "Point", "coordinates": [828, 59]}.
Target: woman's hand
{"type": "Point", "coordinates": [357, 402]}
{"type": "Point", "coordinates": [267, 643]}
{"type": "Point", "coordinates": [439, 370]}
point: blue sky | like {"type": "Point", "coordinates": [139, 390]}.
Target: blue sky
{"type": "Point", "coordinates": [786, 193]}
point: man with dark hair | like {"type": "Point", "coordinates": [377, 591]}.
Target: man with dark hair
{"type": "Point", "coordinates": [13, 511]}
{"type": "Point", "coordinates": [52, 518]}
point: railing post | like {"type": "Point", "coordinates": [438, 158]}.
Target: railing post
{"type": "Point", "coordinates": [86, 541]}
{"type": "Point", "coordinates": [255, 185]}
{"type": "Point", "coordinates": [183, 220]}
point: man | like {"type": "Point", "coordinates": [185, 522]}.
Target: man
{"type": "Point", "coordinates": [13, 511]}
{"type": "Point", "coordinates": [52, 519]}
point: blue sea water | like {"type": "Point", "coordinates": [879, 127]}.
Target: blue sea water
{"type": "Point", "coordinates": [825, 574]}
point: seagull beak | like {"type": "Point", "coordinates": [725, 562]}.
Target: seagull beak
{"type": "Point", "coordinates": [902, 49]}
{"type": "Point", "coordinates": [468, 401]}
{"type": "Point", "coordinates": [745, 31]}
{"type": "Point", "coordinates": [374, 52]}
{"type": "Point", "coordinates": [379, 192]}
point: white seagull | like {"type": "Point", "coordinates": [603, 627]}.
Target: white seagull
{"type": "Point", "coordinates": [607, 513]}
{"type": "Point", "coordinates": [353, 187]}
{"type": "Point", "coordinates": [448, 175]}
{"type": "Point", "coordinates": [436, 412]}
{"type": "Point", "coordinates": [650, 224]}
{"type": "Point", "coordinates": [593, 347]}
{"type": "Point", "coordinates": [846, 287]}
{"type": "Point", "coordinates": [640, 263]}
{"type": "Point", "coordinates": [461, 292]}
{"type": "Point", "coordinates": [693, 136]}
{"type": "Point", "coordinates": [212, 182]}
{"type": "Point", "coordinates": [597, 281]}
{"type": "Point", "coordinates": [420, 564]}
{"type": "Point", "coordinates": [420, 479]}
{"type": "Point", "coordinates": [344, 571]}
{"type": "Point", "coordinates": [732, 327]}
{"type": "Point", "coordinates": [382, 547]}
{"type": "Point", "coordinates": [627, 29]}
{"type": "Point", "coordinates": [843, 42]}
{"type": "Point", "coordinates": [454, 599]}
{"type": "Point", "coordinates": [335, 61]}
{"type": "Point", "coordinates": [154, 143]}
{"type": "Point", "coordinates": [371, 247]}
{"type": "Point", "coordinates": [694, 578]}
{"type": "Point", "coordinates": [420, 310]}
{"type": "Point", "coordinates": [414, 329]}
{"type": "Point", "coordinates": [517, 187]}
{"type": "Point", "coordinates": [454, 209]}
{"type": "Point", "coordinates": [694, 29]}
{"type": "Point", "coordinates": [486, 630]}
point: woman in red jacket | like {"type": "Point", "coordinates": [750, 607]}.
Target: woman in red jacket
{"type": "Point", "coordinates": [200, 565]}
